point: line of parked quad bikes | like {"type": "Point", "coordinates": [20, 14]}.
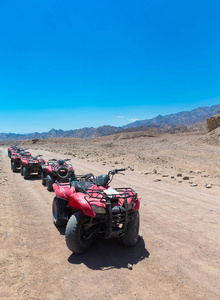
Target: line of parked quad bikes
{"type": "Point", "coordinates": [86, 204]}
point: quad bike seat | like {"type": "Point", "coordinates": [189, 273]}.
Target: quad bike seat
{"type": "Point", "coordinates": [102, 180]}
{"type": "Point", "coordinates": [81, 186]}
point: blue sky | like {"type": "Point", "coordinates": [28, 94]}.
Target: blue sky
{"type": "Point", "coordinates": [73, 64]}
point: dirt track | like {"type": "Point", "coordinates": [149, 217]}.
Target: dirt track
{"type": "Point", "coordinates": [178, 257]}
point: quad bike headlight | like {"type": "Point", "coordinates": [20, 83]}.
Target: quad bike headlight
{"type": "Point", "coordinates": [99, 209]}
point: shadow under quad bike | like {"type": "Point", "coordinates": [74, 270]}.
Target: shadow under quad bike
{"type": "Point", "coordinates": [31, 165]}
{"type": "Point", "coordinates": [90, 206]}
{"type": "Point", "coordinates": [56, 170]}
{"type": "Point", "coordinates": [16, 159]}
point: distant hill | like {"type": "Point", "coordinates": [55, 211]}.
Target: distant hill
{"type": "Point", "coordinates": [84, 133]}
{"type": "Point", "coordinates": [173, 123]}
{"type": "Point", "coordinates": [182, 118]}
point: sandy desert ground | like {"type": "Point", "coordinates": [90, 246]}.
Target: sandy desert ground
{"type": "Point", "coordinates": [178, 253]}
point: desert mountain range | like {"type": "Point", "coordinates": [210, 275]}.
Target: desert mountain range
{"type": "Point", "coordinates": [181, 121]}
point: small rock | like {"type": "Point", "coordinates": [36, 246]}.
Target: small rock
{"type": "Point", "coordinates": [208, 186]}
{"type": "Point", "coordinates": [130, 267]}
{"type": "Point", "coordinates": [172, 177]}
{"type": "Point", "coordinates": [179, 175]}
{"type": "Point", "coordinates": [186, 178]}
{"type": "Point", "coordinates": [198, 172]}
{"type": "Point", "coordinates": [165, 175]}
{"type": "Point", "coordinates": [193, 184]}
{"type": "Point", "coordinates": [180, 181]}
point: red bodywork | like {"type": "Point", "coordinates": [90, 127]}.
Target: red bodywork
{"type": "Point", "coordinates": [25, 160]}
{"type": "Point", "coordinates": [96, 197]}
{"type": "Point", "coordinates": [17, 156]}
{"type": "Point", "coordinates": [10, 149]}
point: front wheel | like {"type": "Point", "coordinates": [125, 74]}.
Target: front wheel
{"type": "Point", "coordinates": [43, 179]}
{"type": "Point", "coordinates": [57, 216]}
{"type": "Point", "coordinates": [21, 170]}
{"type": "Point", "coordinates": [13, 166]}
{"type": "Point", "coordinates": [49, 183]}
{"type": "Point", "coordinates": [130, 237]}
{"type": "Point", "coordinates": [78, 239]}
{"type": "Point", "coordinates": [25, 173]}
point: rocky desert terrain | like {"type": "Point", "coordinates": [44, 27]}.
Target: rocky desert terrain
{"type": "Point", "coordinates": [178, 253]}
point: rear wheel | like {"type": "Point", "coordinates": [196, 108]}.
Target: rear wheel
{"type": "Point", "coordinates": [130, 237]}
{"type": "Point", "coordinates": [63, 173]}
{"type": "Point", "coordinates": [43, 179]}
{"type": "Point", "coordinates": [57, 215]}
{"type": "Point", "coordinates": [77, 238]}
{"type": "Point", "coordinates": [25, 173]}
{"type": "Point", "coordinates": [49, 183]}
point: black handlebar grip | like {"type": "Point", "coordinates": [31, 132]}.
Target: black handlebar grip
{"type": "Point", "coordinates": [120, 170]}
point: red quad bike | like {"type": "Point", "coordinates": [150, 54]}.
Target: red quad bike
{"type": "Point", "coordinates": [31, 165]}
{"type": "Point", "coordinates": [12, 149]}
{"type": "Point", "coordinates": [16, 159]}
{"type": "Point", "coordinates": [90, 206]}
{"type": "Point", "coordinates": [56, 170]}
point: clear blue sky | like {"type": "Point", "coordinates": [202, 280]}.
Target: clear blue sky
{"type": "Point", "coordinates": [73, 64]}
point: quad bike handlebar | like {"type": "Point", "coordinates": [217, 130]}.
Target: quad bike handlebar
{"type": "Point", "coordinates": [54, 159]}
{"type": "Point", "coordinates": [115, 171]}
{"type": "Point", "coordinates": [102, 179]}
{"type": "Point", "coordinates": [39, 155]}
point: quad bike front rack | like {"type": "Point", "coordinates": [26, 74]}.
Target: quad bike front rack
{"type": "Point", "coordinates": [117, 216]}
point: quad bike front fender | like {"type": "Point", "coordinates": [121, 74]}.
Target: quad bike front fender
{"type": "Point", "coordinates": [136, 205]}
{"type": "Point", "coordinates": [63, 192]}
{"type": "Point", "coordinates": [47, 169]}
{"type": "Point", "coordinates": [79, 202]}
